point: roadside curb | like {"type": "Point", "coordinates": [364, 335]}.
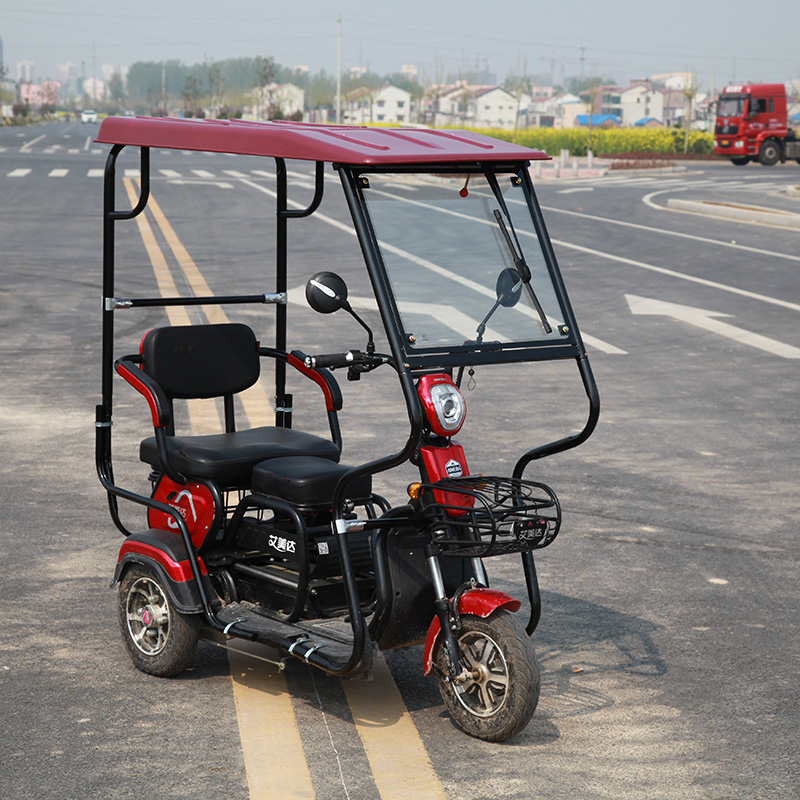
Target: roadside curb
{"type": "Point", "coordinates": [760, 214]}
{"type": "Point", "coordinates": [555, 172]}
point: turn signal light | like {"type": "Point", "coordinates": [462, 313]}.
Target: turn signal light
{"type": "Point", "coordinates": [413, 490]}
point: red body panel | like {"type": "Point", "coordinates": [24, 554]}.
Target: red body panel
{"type": "Point", "coordinates": [193, 501]}
{"type": "Point", "coordinates": [481, 603]}
{"type": "Point", "coordinates": [337, 143]}
{"type": "Point", "coordinates": [447, 462]}
{"type": "Point", "coordinates": [178, 571]}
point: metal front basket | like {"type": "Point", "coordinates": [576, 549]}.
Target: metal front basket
{"type": "Point", "coordinates": [479, 516]}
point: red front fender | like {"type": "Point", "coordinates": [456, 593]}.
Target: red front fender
{"type": "Point", "coordinates": [481, 603]}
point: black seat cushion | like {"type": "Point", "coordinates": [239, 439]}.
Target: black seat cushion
{"type": "Point", "coordinates": [307, 482]}
{"type": "Point", "coordinates": [229, 458]}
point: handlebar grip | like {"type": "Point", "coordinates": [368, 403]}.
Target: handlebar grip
{"type": "Point", "coordinates": [333, 359]}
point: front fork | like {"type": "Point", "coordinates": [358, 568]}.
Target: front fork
{"type": "Point", "coordinates": [447, 616]}
{"type": "Point", "coordinates": [471, 598]}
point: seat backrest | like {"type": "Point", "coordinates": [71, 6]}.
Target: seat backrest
{"type": "Point", "coordinates": [197, 361]}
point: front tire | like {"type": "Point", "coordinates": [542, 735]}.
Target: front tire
{"type": "Point", "coordinates": [160, 639]}
{"type": "Point", "coordinates": [740, 161]}
{"type": "Point", "coordinates": [770, 153]}
{"type": "Point", "coordinates": [498, 699]}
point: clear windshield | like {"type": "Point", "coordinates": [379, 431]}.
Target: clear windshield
{"type": "Point", "coordinates": [731, 107]}
{"type": "Point", "coordinates": [464, 260]}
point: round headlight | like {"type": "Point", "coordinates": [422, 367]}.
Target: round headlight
{"type": "Point", "coordinates": [444, 404]}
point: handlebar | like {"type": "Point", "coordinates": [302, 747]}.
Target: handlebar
{"type": "Point", "coordinates": [352, 358]}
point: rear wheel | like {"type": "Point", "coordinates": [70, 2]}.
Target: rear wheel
{"type": "Point", "coordinates": [160, 639]}
{"type": "Point", "coordinates": [770, 153]}
{"type": "Point", "coordinates": [499, 697]}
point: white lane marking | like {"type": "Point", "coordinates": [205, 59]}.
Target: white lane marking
{"type": "Point", "coordinates": [132, 173]}
{"type": "Point", "coordinates": [705, 319]}
{"type": "Point", "coordinates": [219, 184]}
{"type": "Point", "coordinates": [234, 173]}
{"type": "Point", "coordinates": [665, 232]}
{"type": "Point", "coordinates": [588, 339]}
{"type": "Point", "coordinates": [456, 320]}
{"type": "Point", "coordinates": [57, 173]}
{"type": "Point", "coordinates": [576, 189]}
{"type": "Point", "coordinates": [27, 146]}
{"type": "Point", "coordinates": [170, 173]}
{"type": "Point", "coordinates": [18, 173]}
{"type": "Point", "coordinates": [203, 173]}
{"type": "Point", "coordinates": [95, 173]}
{"type": "Point", "coordinates": [691, 278]}
{"type": "Point", "coordinates": [88, 143]}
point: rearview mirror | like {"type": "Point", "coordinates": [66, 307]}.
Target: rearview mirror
{"type": "Point", "coordinates": [326, 292]}
{"type": "Point", "coordinates": [509, 284]}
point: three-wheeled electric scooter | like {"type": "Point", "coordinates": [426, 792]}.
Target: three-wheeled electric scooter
{"type": "Point", "coordinates": [261, 533]}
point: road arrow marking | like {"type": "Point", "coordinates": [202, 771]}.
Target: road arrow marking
{"type": "Point", "coordinates": [702, 318]}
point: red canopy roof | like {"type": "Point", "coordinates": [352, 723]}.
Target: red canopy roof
{"type": "Point", "coordinates": [340, 143]}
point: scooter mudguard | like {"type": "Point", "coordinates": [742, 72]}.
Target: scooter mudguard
{"type": "Point", "coordinates": [480, 602]}
{"type": "Point", "coordinates": [165, 553]}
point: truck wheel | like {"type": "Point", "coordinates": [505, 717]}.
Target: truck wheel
{"type": "Point", "coordinates": [160, 640]}
{"type": "Point", "coordinates": [498, 699]}
{"type": "Point", "coordinates": [770, 153]}
{"type": "Point", "coordinates": [740, 161]}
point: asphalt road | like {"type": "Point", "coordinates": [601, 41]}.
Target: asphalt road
{"type": "Point", "coordinates": [670, 626]}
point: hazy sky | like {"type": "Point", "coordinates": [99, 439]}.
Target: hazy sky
{"type": "Point", "coordinates": [721, 40]}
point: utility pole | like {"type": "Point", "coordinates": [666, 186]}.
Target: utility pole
{"type": "Point", "coordinates": [339, 71]}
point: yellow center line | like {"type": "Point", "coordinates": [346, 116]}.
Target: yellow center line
{"type": "Point", "coordinates": [271, 743]}
{"type": "Point", "coordinates": [400, 764]}
{"type": "Point", "coordinates": [255, 399]}
{"type": "Point", "coordinates": [272, 747]}
{"type": "Point", "coordinates": [203, 413]}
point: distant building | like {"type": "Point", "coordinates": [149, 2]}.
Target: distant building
{"type": "Point", "coordinates": [464, 104]}
{"type": "Point", "coordinates": [640, 101]}
{"type": "Point", "coordinates": [25, 71]}
{"type": "Point", "coordinates": [390, 103]}
{"type": "Point", "coordinates": [672, 80]}
{"type": "Point", "coordinates": [597, 121]}
{"type": "Point", "coordinates": [549, 110]}
{"type": "Point", "coordinates": [279, 101]}
{"type": "Point", "coordinates": [94, 88]}
{"type": "Point", "coordinates": [39, 94]}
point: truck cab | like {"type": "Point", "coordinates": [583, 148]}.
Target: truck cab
{"type": "Point", "coordinates": [752, 125]}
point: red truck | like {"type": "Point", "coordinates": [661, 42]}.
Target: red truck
{"type": "Point", "coordinates": [752, 125]}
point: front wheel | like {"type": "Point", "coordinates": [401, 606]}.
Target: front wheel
{"type": "Point", "coordinates": [498, 698]}
{"type": "Point", "coordinates": [160, 639]}
{"type": "Point", "coordinates": [740, 161]}
{"type": "Point", "coordinates": [770, 153]}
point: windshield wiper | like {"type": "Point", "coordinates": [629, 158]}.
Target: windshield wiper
{"type": "Point", "coordinates": [523, 269]}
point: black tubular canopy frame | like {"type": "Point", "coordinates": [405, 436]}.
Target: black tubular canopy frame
{"type": "Point", "coordinates": [352, 150]}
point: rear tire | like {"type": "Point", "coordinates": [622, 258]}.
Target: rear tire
{"type": "Point", "coordinates": [160, 639]}
{"type": "Point", "coordinates": [499, 698]}
{"type": "Point", "coordinates": [770, 153]}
